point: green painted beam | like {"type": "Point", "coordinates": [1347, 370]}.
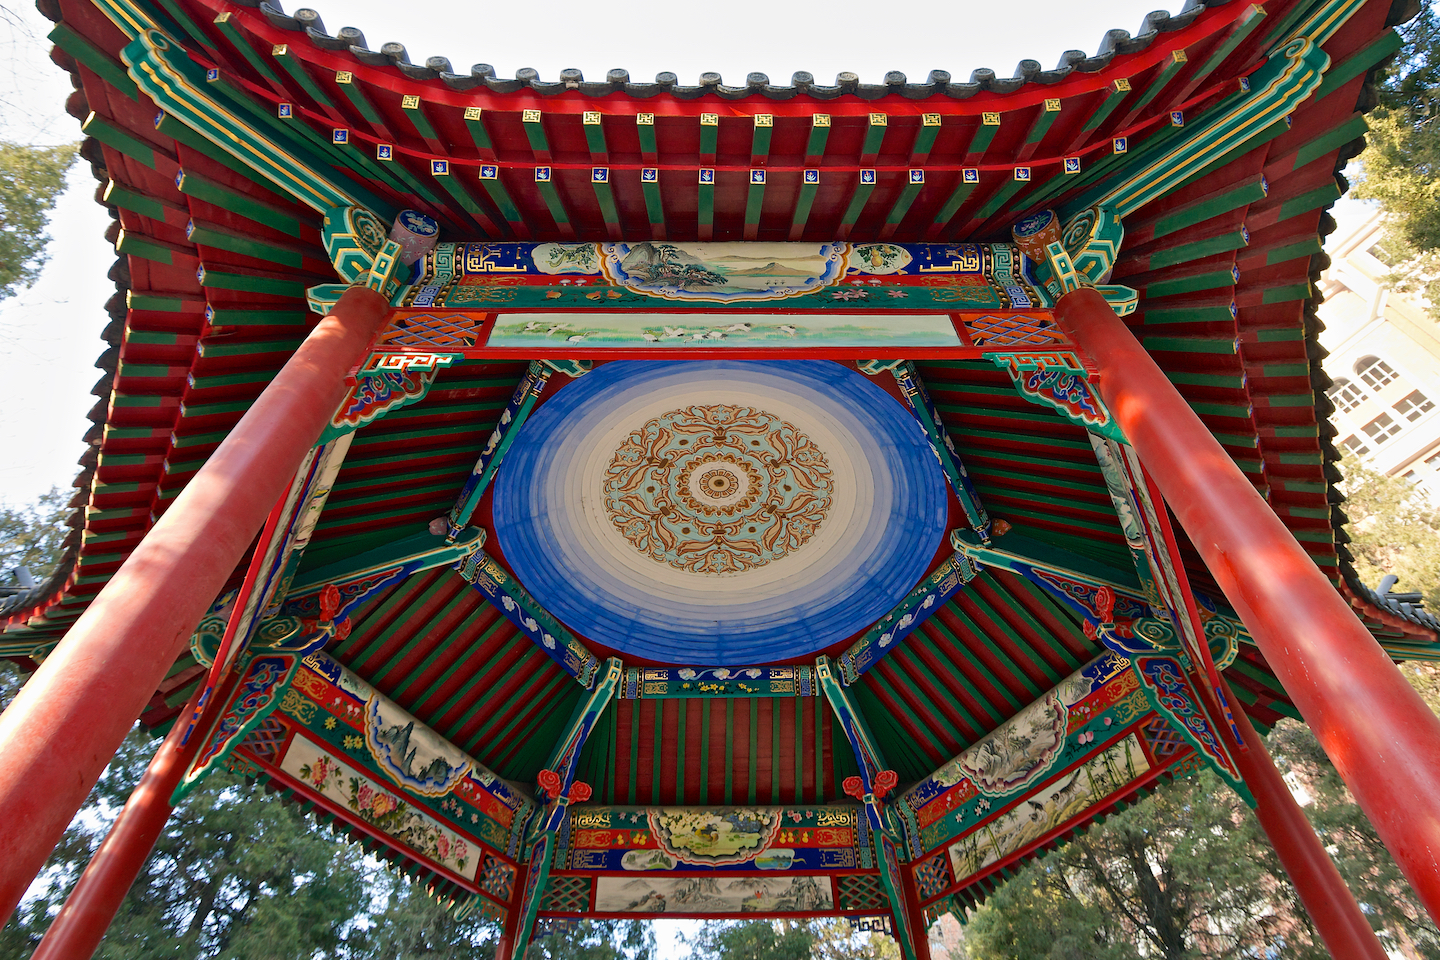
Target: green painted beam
{"type": "Point", "coordinates": [91, 56]}
{"type": "Point", "coordinates": [819, 134]}
{"type": "Point", "coordinates": [295, 67]}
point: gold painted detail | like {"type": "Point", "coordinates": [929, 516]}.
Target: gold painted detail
{"type": "Point", "coordinates": [717, 489]}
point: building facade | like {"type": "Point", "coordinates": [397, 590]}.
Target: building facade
{"type": "Point", "coordinates": [1384, 358]}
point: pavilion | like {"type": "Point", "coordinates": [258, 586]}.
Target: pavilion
{"type": "Point", "coordinates": [766, 500]}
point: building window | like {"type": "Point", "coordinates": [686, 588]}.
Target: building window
{"type": "Point", "coordinates": [1382, 428]}
{"type": "Point", "coordinates": [1355, 445]}
{"type": "Point", "coordinates": [1433, 462]}
{"type": "Point", "coordinates": [1415, 406]}
{"type": "Point", "coordinates": [1374, 371]}
{"type": "Point", "coordinates": [1347, 394]}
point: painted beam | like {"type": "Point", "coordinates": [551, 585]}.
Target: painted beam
{"type": "Point", "coordinates": [511, 598]}
{"type": "Point", "coordinates": [921, 603]}
{"type": "Point", "coordinates": [516, 412]}
{"type": "Point", "coordinates": [907, 377]}
{"type": "Point", "coordinates": [870, 787]}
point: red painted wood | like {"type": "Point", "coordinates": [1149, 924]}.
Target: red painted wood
{"type": "Point", "coordinates": [78, 928]}
{"type": "Point", "coordinates": [71, 716]}
{"type": "Point", "coordinates": [1331, 906]}
{"type": "Point", "coordinates": [1383, 739]}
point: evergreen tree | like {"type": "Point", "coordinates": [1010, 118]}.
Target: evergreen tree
{"type": "Point", "coordinates": [1400, 166]}
{"type": "Point", "coordinates": [31, 178]}
{"type": "Point", "coordinates": [1187, 873]}
{"type": "Point", "coordinates": [31, 536]}
{"type": "Point", "coordinates": [1393, 530]}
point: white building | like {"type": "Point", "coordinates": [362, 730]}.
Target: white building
{"type": "Point", "coordinates": [1384, 358]}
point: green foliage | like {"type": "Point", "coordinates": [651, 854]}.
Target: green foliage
{"type": "Point", "coordinates": [31, 179]}
{"type": "Point", "coordinates": [596, 940]}
{"type": "Point", "coordinates": [1401, 164]}
{"type": "Point", "coordinates": [752, 940]}
{"type": "Point", "coordinates": [31, 536]}
{"type": "Point", "coordinates": [1392, 530]}
{"type": "Point", "coordinates": [1187, 874]}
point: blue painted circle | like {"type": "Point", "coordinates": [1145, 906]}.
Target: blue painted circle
{"type": "Point", "coordinates": [886, 513]}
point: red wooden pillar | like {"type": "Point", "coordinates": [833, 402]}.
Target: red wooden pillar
{"type": "Point", "coordinates": [919, 930]}
{"type": "Point", "coordinates": [1381, 736]}
{"type": "Point", "coordinates": [76, 931]}
{"type": "Point", "coordinates": [68, 720]}
{"type": "Point", "coordinates": [1327, 899]}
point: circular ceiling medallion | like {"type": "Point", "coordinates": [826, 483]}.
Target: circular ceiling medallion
{"type": "Point", "coordinates": [717, 488]}
{"type": "Point", "coordinates": [720, 512]}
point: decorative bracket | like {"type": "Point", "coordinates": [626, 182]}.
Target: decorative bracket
{"type": "Point", "coordinates": [870, 787]}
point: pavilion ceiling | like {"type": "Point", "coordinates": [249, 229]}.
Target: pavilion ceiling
{"type": "Point", "coordinates": [214, 264]}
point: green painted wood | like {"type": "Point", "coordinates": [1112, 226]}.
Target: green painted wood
{"type": "Point", "coordinates": [635, 753]}
{"type": "Point", "coordinates": [925, 137]}
{"type": "Point", "coordinates": [799, 750]}
{"type": "Point", "coordinates": [250, 283]}
{"type": "Point", "coordinates": [819, 134]}
{"type": "Point", "coordinates": [237, 39]}
{"type": "Point", "coordinates": [226, 316]}
{"type": "Point", "coordinates": [379, 640]}
{"type": "Point", "coordinates": [422, 633]}
{"type": "Point", "coordinates": [952, 206]}
{"type": "Point", "coordinates": [680, 717]}
{"type": "Point", "coordinates": [146, 248]}
{"type": "Point", "coordinates": [1319, 197]}
{"type": "Point", "coordinates": [1198, 249]}
{"type": "Point", "coordinates": [819, 708]}
{"type": "Point", "coordinates": [1044, 120]}
{"type": "Point", "coordinates": [118, 139]}
{"type": "Point", "coordinates": [612, 756]}
{"type": "Point", "coordinates": [980, 142]}
{"type": "Point", "coordinates": [903, 203]}
{"type": "Point", "coordinates": [729, 751]}
{"type": "Point", "coordinates": [1160, 82]}
{"type": "Point", "coordinates": [416, 115]}
{"type": "Point", "coordinates": [91, 56]}
{"type": "Point", "coordinates": [654, 208]}
{"type": "Point", "coordinates": [295, 67]}
{"type": "Point", "coordinates": [957, 644]}
{"type": "Point", "coordinates": [857, 204]}
{"type": "Point", "coordinates": [922, 638]}
{"type": "Point", "coordinates": [558, 680]}
{"type": "Point", "coordinates": [775, 750]}
{"type": "Point", "coordinates": [1000, 198]}
{"type": "Point", "coordinates": [1119, 90]}
{"type": "Point", "coordinates": [1247, 191]}
{"type": "Point", "coordinates": [446, 645]}
{"type": "Point", "coordinates": [1304, 248]}
{"type": "Point", "coordinates": [355, 93]}
{"type": "Point", "coordinates": [705, 708]}
{"type": "Point", "coordinates": [553, 202]}
{"type": "Point", "coordinates": [646, 133]}
{"type": "Point", "coordinates": [1358, 63]}
{"type": "Point", "coordinates": [709, 137]}
{"type": "Point", "coordinates": [880, 710]}
{"type": "Point", "coordinates": [705, 210]}
{"type": "Point", "coordinates": [1331, 141]}
{"type": "Point", "coordinates": [1247, 23]}
{"type": "Point", "coordinates": [1209, 280]}
{"type": "Point", "coordinates": [606, 199]}
{"type": "Point", "coordinates": [754, 200]}
{"type": "Point", "coordinates": [875, 129]}
{"type": "Point", "coordinates": [804, 201]}
{"type": "Point", "coordinates": [247, 245]}
{"type": "Point", "coordinates": [754, 757]}
{"type": "Point", "coordinates": [656, 745]}
{"type": "Point", "coordinates": [595, 136]}
{"type": "Point", "coordinates": [996, 616]}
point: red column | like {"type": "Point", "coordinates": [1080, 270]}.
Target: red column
{"type": "Point", "coordinates": [68, 720]}
{"type": "Point", "coordinates": [76, 931]}
{"type": "Point", "coordinates": [1381, 736]}
{"type": "Point", "coordinates": [1327, 899]}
